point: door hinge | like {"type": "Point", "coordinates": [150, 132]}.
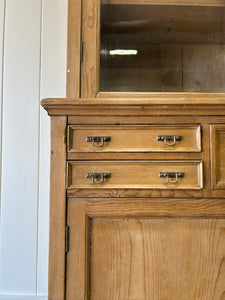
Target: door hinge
{"type": "Point", "coordinates": [67, 229]}
{"type": "Point", "coordinates": [81, 51]}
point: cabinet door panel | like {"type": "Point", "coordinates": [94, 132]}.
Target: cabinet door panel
{"type": "Point", "coordinates": [148, 249]}
{"type": "Point", "coordinates": [218, 156]}
{"type": "Point", "coordinates": [136, 258]}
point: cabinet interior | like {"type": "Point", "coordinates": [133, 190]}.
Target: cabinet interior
{"type": "Point", "coordinates": [162, 48]}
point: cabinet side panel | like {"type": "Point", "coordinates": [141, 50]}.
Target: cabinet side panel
{"type": "Point", "coordinates": [56, 287]}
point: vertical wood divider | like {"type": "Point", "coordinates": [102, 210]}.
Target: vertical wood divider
{"type": "Point", "coordinates": [73, 51]}
{"type": "Point", "coordinates": [91, 38]}
{"type": "Point", "coordinates": [78, 259]}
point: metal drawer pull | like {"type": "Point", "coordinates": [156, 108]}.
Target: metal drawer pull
{"type": "Point", "coordinates": [170, 175]}
{"type": "Point", "coordinates": [98, 178]}
{"type": "Point", "coordinates": [169, 140]}
{"type": "Point", "coordinates": [98, 141]}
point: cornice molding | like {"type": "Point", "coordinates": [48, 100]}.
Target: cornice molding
{"type": "Point", "coordinates": [195, 105]}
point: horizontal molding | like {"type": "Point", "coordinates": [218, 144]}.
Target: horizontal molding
{"type": "Point", "coordinates": [22, 297]}
{"type": "Point", "coordinates": [178, 105]}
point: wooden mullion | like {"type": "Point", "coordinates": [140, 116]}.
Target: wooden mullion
{"type": "Point", "coordinates": [73, 48]}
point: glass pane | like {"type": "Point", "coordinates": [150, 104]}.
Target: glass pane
{"type": "Point", "coordinates": [159, 48]}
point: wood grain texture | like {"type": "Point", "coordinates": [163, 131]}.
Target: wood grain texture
{"type": "Point", "coordinates": [136, 258]}
{"type": "Point", "coordinates": [168, 2]}
{"type": "Point", "coordinates": [132, 156]}
{"type": "Point", "coordinates": [73, 48]}
{"type": "Point", "coordinates": [135, 120]}
{"type": "Point", "coordinates": [56, 284]}
{"type": "Point", "coordinates": [154, 110]}
{"type": "Point", "coordinates": [135, 138]}
{"type": "Point", "coordinates": [76, 258]}
{"type": "Point", "coordinates": [143, 99]}
{"type": "Point", "coordinates": [206, 158]}
{"type": "Point", "coordinates": [135, 174]}
{"type": "Point", "coordinates": [167, 235]}
{"type": "Point", "coordinates": [90, 36]}
{"type": "Point", "coordinates": [158, 16]}
{"type": "Point", "coordinates": [197, 61]}
{"type": "Point", "coordinates": [151, 193]}
{"type": "Point", "coordinates": [156, 105]}
{"type": "Point", "coordinates": [218, 156]}
{"type": "Point", "coordinates": [147, 95]}
{"type": "Point", "coordinates": [160, 207]}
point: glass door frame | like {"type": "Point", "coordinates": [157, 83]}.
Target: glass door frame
{"type": "Point", "coordinates": [83, 71]}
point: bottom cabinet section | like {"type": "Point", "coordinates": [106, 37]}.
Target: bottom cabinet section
{"type": "Point", "coordinates": [171, 249]}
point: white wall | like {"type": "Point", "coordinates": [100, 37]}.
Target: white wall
{"type": "Point", "coordinates": [32, 67]}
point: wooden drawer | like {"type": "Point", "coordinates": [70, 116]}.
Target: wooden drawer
{"type": "Point", "coordinates": [134, 138]}
{"type": "Point", "coordinates": [217, 133]}
{"type": "Point", "coordinates": [135, 175]}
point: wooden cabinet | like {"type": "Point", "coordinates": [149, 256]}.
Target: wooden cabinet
{"type": "Point", "coordinates": [137, 203]}
{"type": "Point", "coordinates": [134, 234]}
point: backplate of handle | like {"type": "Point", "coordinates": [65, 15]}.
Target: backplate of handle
{"type": "Point", "coordinates": [169, 140]}
{"type": "Point", "coordinates": [170, 175]}
{"type": "Point", "coordinates": [98, 178]}
{"type": "Point", "coordinates": [98, 141]}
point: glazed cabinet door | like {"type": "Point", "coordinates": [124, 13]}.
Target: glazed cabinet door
{"type": "Point", "coordinates": [141, 249]}
{"type": "Point", "coordinates": [133, 47]}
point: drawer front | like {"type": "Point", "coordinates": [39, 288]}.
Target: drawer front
{"type": "Point", "coordinates": [217, 133]}
{"type": "Point", "coordinates": [135, 175]}
{"type": "Point", "coordinates": [124, 138]}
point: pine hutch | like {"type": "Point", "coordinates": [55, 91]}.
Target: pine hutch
{"type": "Point", "coordinates": [137, 201]}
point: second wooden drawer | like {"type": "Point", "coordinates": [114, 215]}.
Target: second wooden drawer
{"type": "Point", "coordinates": [135, 174]}
{"type": "Point", "coordinates": [134, 138]}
